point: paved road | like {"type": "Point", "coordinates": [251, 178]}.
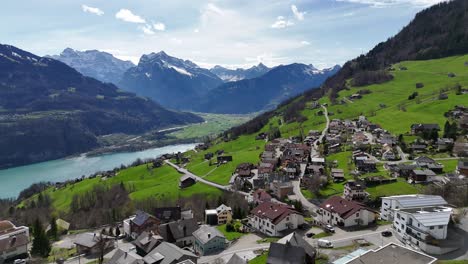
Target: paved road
{"type": "Point", "coordinates": [324, 132]}
{"type": "Point", "coordinates": [200, 179]}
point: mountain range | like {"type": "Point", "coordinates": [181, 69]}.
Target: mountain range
{"type": "Point", "coordinates": [100, 65]}
{"type": "Point", "coordinates": [49, 110]}
{"type": "Point", "coordinates": [238, 74]}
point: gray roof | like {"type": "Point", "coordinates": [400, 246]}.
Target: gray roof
{"type": "Point", "coordinates": [167, 253]}
{"type": "Point", "coordinates": [89, 240]}
{"type": "Point", "coordinates": [175, 230]}
{"type": "Point", "coordinates": [206, 233]}
{"type": "Point", "coordinates": [140, 218]}
{"type": "Point", "coordinates": [392, 254]}
{"type": "Point", "coordinates": [236, 259]}
{"type": "Point", "coordinates": [285, 254]}
{"type": "Point", "coordinates": [418, 200]}
{"type": "Point", "coordinates": [431, 216]}
{"type": "Point", "coordinates": [297, 240]}
{"type": "Point", "coordinates": [122, 257]}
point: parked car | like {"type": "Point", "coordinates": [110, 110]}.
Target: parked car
{"type": "Point", "coordinates": [386, 233]}
{"type": "Point", "coordinates": [324, 243]}
{"type": "Point", "coordinates": [19, 261]}
{"type": "Point", "coordinates": [329, 229]}
{"type": "Point", "coordinates": [309, 235]}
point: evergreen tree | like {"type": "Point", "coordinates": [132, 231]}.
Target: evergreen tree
{"type": "Point", "coordinates": [41, 245]}
{"type": "Point", "coordinates": [53, 231]}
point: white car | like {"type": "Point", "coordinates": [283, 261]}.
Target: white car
{"type": "Point", "coordinates": [324, 243]}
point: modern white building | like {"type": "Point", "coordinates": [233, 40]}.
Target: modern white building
{"type": "Point", "coordinates": [341, 212]}
{"type": "Point", "coordinates": [13, 241]}
{"type": "Point", "coordinates": [390, 203]}
{"type": "Point", "coordinates": [272, 219]}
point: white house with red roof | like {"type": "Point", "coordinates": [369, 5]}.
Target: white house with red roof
{"type": "Point", "coordinates": [341, 212]}
{"type": "Point", "coordinates": [272, 218]}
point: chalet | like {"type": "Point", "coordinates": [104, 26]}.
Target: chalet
{"type": "Point", "coordinates": [92, 243]}
{"type": "Point", "coordinates": [367, 166]}
{"type": "Point", "coordinates": [287, 253]}
{"type": "Point", "coordinates": [461, 149]}
{"type": "Point", "coordinates": [462, 167]}
{"type": "Point", "coordinates": [418, 147]}
{"type": "Point", "coordinates": [208, 240]}
{"type": "Point", "coordinates": [260, 196]}
{"type": "Point", "coordinates": [146, 242]}
{"type": "Point", "coordinates": [167, 253]}
{"type": "Point", "coordinates": [444, 144]}
{"type": "Point", "coordinates": [139, 223]}
{"type": "Point", "coordinates": [169, 214]}
{"type": "Point", "coordinates": [355, 191]}
{"type": "Point", "coordinates": [236, 259]}
{"type": "Point", "coordinates": [337, 175]}
{"type": "Point", "coordinates": [297, 240]}
{"type": "Point", "coordinates": [389, 155]}
{"type": "Point", "coordinates": [186, 181]}
{"type": "Point", "coordinates": [272, 219]}
{"type": "Point", "coordinates": [424, 161]}
{"type": "Point", "coordinates": [339, 211]}
{"type": "Point", "coordinates": [265, 168]}
{"type": "Point", "coordinates": [127, 257]}
{"type": "Point", "coordinates": [314, 170]}
{"type": "Point", "coordinates": [259, 183]}
{"type": "Point", "coordinates": [224, 214]}
{"type": "Point", "coordinates": [281, 189]}
{"type": "Point", "coordinates": [13, 241]}
{"type": "Point", "coordinates": [245, 169]}
{"type": "Point", "coordinates": [420, 128]}
{"type": "Point", "coordinates": [209, 155]}
{"type": "Point", "coordinates": [292, 169]}
{"type": "Point", "coordinates": [224, 159]}
{"type": "Point", "coordinates": [179, 232]}
{"type": "Point", "coordinates": [418, 176]}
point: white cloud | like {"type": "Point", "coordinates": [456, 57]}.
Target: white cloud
{"type": "Point", "coordinates": [147, 29]}
{"type": "Point", "coordinates": [305, 42]}
{"type": "Point", "coordinates": [281, 22]}
{"type": "Point", "coordinates": [297, 14]}
{"type": "Point", "coordinates": [127, 16]}
{"type": "Point", "coordinates": [92, 10]}
{"type": "Point", "coordinates": [159, 26]}
{"type": "Point", "coordinates": [387, 3]}
{"type": "Point", "coordinates": [196, 30]}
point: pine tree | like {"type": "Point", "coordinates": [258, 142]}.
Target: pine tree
{"type": "Point", "coordinates": [53, 231]}
{"type": "Point", "coordinates": [41, 245]}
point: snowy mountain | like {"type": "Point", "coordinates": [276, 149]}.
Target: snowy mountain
{"type": "Point", "coordinates": [238, 74]}
{"type": "Point", "coordinates": [172, 82]}
{"type": "Point", "coordinates": [97, 64]}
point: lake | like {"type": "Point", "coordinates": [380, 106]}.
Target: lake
{"type": "Point", "coordinates": [14, 180]}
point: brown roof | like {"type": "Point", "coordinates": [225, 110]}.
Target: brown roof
{"type": "Point", "coordinates": [343, 207]}
{"type": "Point", "coordinates": [273, 211]}
{"type": "Point", "coordinates": [6, 226]}
{"type": "Point", "coordinates": [261, 195]}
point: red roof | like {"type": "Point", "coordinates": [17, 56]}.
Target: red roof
{"type": "Point", "coordinates": [261, 196]}
{"type": "Point", "coordinates": [343, 207]}
{"type": "Point", "coordinates": [6, 226]}
{"type": "Point", "coordinates": [273, 211]}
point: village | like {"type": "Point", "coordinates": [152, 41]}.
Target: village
{"type": "Point", "coordinates": [305, 206]}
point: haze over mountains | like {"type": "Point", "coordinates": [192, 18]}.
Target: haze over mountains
{"type": "Point", "coordinates": [49, 110]}
{"type": "Point", "coordinates": [183, 85]}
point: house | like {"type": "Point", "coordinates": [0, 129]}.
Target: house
{"type": "Point", "coordinates": [211, 217]}
{"type": "Point", "coordinates": [423, 227]}
{"type": "Point", "coordinates": [389, 254]}
{"type": "Point", "coordinates": [337, 174]}
{"type": "Point", "coordinates": [462, 167]}
{"type": "Point", "coordinates": [170, 214]}
{"type": "Point", "coordinates": [421, 128]}
{"type": "Point", "coordinates": [245, 169]}
{"type": "Point", "coordinates": [297, 240]}
{"type": "Point", "coordinates": [236, 259]}
{"type": "Point", "coordinates": [13, 241]}
{"type": "Point", "coordinates": [209, 155]}
{"type": "Point", "coordinates": [418, 147]}
{"type": "Point", "coordinates": [424, 161]}
{"type": "Point", "coordinates": [167, 253]}
{"type": "Point", "coordinates": [444, 144]}
{"type": "Point", "coordinates": [208, 240]}
{"type": "Point", "coordinates": [224, 214]}
{"type": "Point", "coordinates": [140, 222]}
{"type": "Point", "coordinates": [224, 159]}
{"type": "Point", "coordinates": [146, 242]}
{"type": "Point", "coordinates": [389, 155]}
{"type": "Point", "coordinates": [186, 181]}
{"type": "Point", "coordinates": [366, 165]}
{"type": "Point", "coordinates": [281, 189]}
{"type": "Point", "coordinates": [391, 203]}
{"type": "Point", "coordinates": [461, 149]}
{"type": "Point", "coordinates": [339, 211]}
{"type": "Point", "coordinates": [272, 218]}
{"type": "Point", "coordinates": [419, 176]}
{"type": "Point", "coordinates": [126, 257]}
{"type": "Point", "coordinates": [92, 243]}
{"type": "Point", "coordinates": [285, 254]}
{"type": "Point", "coordinates": [318, 161]}
{"type": "Point", "coordinates": [179, 232]}
{"type": "Point", "coordinates": [260, 196]}
{"type": "Point", "coordinates": [355, 191]}
{"type": "Point", "coordinates": [404, 170]}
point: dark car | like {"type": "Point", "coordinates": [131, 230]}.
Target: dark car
{"type": "Point", "coordinates": [309, 235]}
{"type": "Point", "coordinates": [386, 233]}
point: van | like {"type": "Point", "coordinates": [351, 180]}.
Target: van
{"type": "Point", "coordinates": [324, 243]}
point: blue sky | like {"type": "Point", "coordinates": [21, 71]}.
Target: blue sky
{"type": "Point", "coordinates": [231, 33]}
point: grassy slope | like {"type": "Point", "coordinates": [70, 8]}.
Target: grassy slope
{"type": "Point", "coordinates": [432, 73]}
{"type": "Point", "coordinates": [159, 183]}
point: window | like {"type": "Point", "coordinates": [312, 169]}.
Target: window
{"type": "Point", "coordinates": [357, 214]}
{"type": "Point", "coordinates": [440, 227]}
{"type": "Point", "coordinates": [398, 216]}
{"type": "Point", "coordinates": [431, 228]}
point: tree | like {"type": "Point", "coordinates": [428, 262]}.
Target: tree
{"type": "Point", "coordinates": [53, 231]}
{"type": "Point", "coordinates": [41, 245]}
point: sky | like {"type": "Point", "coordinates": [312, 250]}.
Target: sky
{"type": "Point", "coordinates": [232, 33]}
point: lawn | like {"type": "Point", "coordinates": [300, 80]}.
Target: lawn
{"type": "Point", "coordinates": [395, 188]}
{"type": "Point", "coordinates": [321, 235]}
{"type": "Point", "coordinates": [268, 240]}
{"type": "Point", "coordinates": [449, 165]}
{"type": "Point", "coordinates": [261, 259]}
{"type": "Point", "coordinates": [229, 235]}
{"type": "Point", "coordinates": [142, 183]}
